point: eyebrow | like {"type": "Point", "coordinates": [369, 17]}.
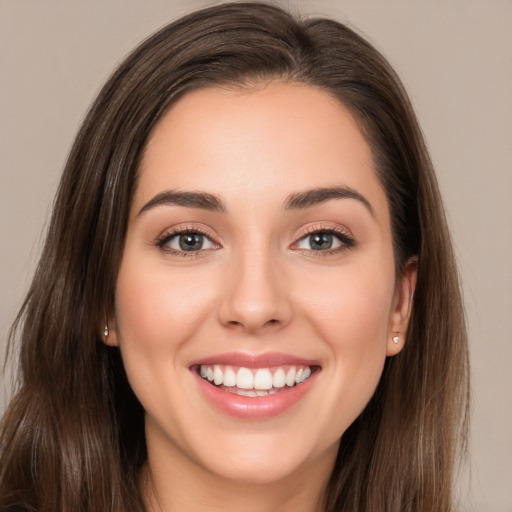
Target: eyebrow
{"type": "Point", "coordinates": [315, 196]}
{"type": "Point", "coordinates": [297, 201]}
{"type": "Point", "coordinates": [201, 200]}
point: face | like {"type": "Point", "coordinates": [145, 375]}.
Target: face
{"type": "Point", "coordinates": [257, 298]}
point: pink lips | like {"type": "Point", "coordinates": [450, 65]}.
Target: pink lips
{"type": "Point", "coordinates": [254, 408]}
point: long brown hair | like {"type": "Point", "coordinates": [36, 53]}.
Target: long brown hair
{"type": "Point", "coordinates": [72, 438]}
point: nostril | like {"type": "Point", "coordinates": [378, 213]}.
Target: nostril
{"type": "Point", "coordinates": [273, 322]}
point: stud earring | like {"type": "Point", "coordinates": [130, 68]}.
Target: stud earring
{"type": "Point", "coordinates": [105, 332]}
{"type": "Point", "coordinates": [396, 339]}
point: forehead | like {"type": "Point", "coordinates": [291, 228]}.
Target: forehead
{"type": "Point", "coordinates": [269, 141]}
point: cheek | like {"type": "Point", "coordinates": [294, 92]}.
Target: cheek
{"type": "Point", "coordinates": [158, 311]}
{"type": "Point", "coordinates": [351, 315]}
{"type": "Point", "coordinates": [156, 307]}
{"type": "Point", "coordinates": [352, 309]}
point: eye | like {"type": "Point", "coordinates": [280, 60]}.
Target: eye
{"type": "Point", "coordinates": [324, 240]}
{"type": "Point", "coordinates": [189, 241]}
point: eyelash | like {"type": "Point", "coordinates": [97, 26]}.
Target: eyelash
{"type": "Point", "coordinates": [346, 241]}
{"type": "Point", "coordinates": [168, 236]}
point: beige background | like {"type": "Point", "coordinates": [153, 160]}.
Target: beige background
{"type": "Point", "coordinates": [455, 58]}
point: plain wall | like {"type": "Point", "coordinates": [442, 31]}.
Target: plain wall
{"type": "Point", "coordinates": [455, 58]}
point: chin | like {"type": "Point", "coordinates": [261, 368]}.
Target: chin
{"type": "Point", "coordinates": [265, 459]}
{"type": "Point", "coordinates": [260, 469]}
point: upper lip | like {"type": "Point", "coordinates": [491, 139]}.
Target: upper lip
{"type": "Point", "coordinates": [248, 360]}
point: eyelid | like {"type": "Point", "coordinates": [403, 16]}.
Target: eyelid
{"type": "Point", "coordinates": [174, 231]}
{"type": "Point", "coordinates": [344, 235]}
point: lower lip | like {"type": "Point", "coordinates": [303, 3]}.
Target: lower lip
{"type": "Point", "coordinates": [258, 407]}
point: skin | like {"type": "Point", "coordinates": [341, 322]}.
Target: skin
{"type": "Point", "coordinates": [257, 287]}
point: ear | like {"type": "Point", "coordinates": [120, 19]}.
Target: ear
{"type": "Point", "coordinates": [402, 307]}
{"type": "Point", "coordinates": [108, 332]}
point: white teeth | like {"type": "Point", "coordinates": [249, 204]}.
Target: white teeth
{"type": "Point", "coordinates": [263, 379]}
{"type": "Point", "coordinates": [244, 379]}
{"type": "Point", "coordinates": [229, 378]}
{"type": "Point", "coordinates": [302, 375]}
{"type": "Point", "coordinates": [218, 377]}
{"type": "Point", "coordinates": [244, 392]}
{"type": "Point", "coordinates": [290, 377]}
{"type": "Point", "coordinates": [250, 392]}
{"type": "Point", "coordinates": [279, 378]}
{"type": "Point", "coordinates": [252, 382]}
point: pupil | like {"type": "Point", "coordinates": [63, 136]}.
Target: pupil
{"type": "Point", "coordinates": [191, 242]}
{"type": "Point", "coordinates": [321, 241]}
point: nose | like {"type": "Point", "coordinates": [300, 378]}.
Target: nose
{"type": "Point", "coordinates": [255, 297]}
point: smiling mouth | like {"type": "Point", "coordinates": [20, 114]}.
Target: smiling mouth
{"type": "Point", "coordinates": [255, 382]}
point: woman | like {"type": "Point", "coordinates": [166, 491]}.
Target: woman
{"type": "Point", "coordinates": [247, 297]}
